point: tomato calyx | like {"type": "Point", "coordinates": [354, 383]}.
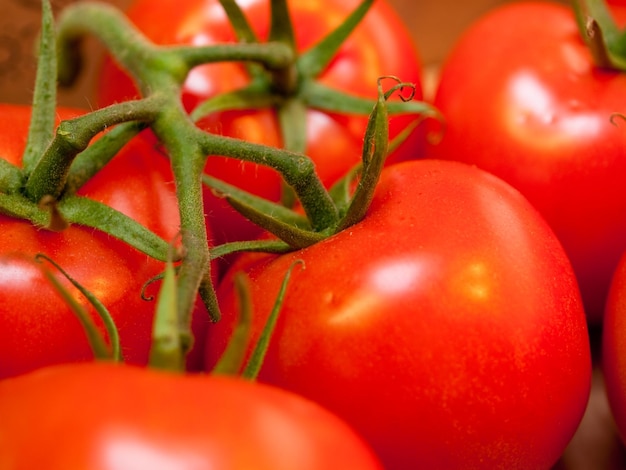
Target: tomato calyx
{"type": "Point", "coordinates": [100, 348]}
{"type": "Point", "coordinates": [292, 88]}
{"type": "Point", "coordinates": [605, 39]}
{"type": "Point", "coordinates": [43, 190]}
{"type": "Point", "coordinates": [60, 163]}
{"type": "Point", "coordinates": [232, 361]}
{"type": "Point", "coordinates": [350, 196]}
{"type": "Point", "coordinates": [171, 338]}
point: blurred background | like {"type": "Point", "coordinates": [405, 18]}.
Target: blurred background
{"type": "Point", "coordinates": [435, 26]}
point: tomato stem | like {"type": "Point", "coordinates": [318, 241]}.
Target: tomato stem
{"type": "Point", "coordinates": [167, 350]}
{"type": "Point", "coordinates": [174, 129]}
{"type": "Point", "coordinates": [91, 160]}
{"type": "Point", "coordinates": [297, 169]}
{"type": "Point", "coordinates": [41, 129]}
{"type": "Point", "coordinates": [606, 42]}
{"type": "Point", "coordinates": [160, 72]}
{"type": "Point", "coordinates": [49, 176]}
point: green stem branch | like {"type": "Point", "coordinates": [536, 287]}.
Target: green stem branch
{"type": "Point", "coordinates": [49, 176]}
{"type": "Point", "coordinates": [297, 169]}
{"type": "Point", "coordinates": [42, 121]}
{"type": "Point", "coordinates": [173, 127]}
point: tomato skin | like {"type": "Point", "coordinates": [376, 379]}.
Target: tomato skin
{"type": "Point", "coordinates": [540, 119]}
{"type": "Point", "coordinates": [38, 328]}
{"type": "Point", "coordinates": [614, 347]}
{"type": "Point", "coordinates": [381, 45]}
{"type": "Point", "coordinates": [446, 327]}
{"type": "Point", "coordinates": [103, 416]}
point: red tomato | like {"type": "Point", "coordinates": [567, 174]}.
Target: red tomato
{"type": "Point", "coordinates": [38, 328]}
{"type": "Point", "coordinates": [103, 417]}
{"type": "Point", "coordinates": [446, 327]}
{"type": "Point", "coordinates": [614, 347]}
{"type": "Point", "coordinates": [380, 45]}
{"type": "Point", "coordinates": [536, 112]}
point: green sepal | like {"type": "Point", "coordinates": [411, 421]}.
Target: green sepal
{"type": "Point", "coordinates": [16, 205]}
{"type": "Point", "coordinates": [295, 237]}
{"type": "Point", "coordinates": [239, 22]}
{"type": "Point", "coordinates": [375, 145]}
{"type": "Point", "coordinates": [243, 31]}
{"type": "Point", "coordinates": [233, 358]}
{"type": "Point", "coordinates": [319, 96]}
{"type": "Point", "coordinates": [91, 160]}
{"type": "Point", "coordinates": [292, 118]}
{"type": "Point", "coordinates": [259, 246]}
{"type": "Point", "coordinates": [254, 364]}
{"type": "Point", "coordinates": [281, 26]}
{"type": "Point", "coordinates": [291, 227]}
{"type": "Point", "coordinates": [209, 298]}
{"type": "Point", "coordinates": [91, 213]}
{"type": "Point", "coordinates": [341, 192]}
{"type": "Point", "coordinates": [73, 136]}
{"type": "Point", "coordinates": [315, 60]}
{"type": "Point", "coordinates": [253, 96]}
{"type": "Point", "coordinates": [98, 345]}
{"type": "Point", "coordinates": [277, 211]}
{"type": "Point", "coordinates": [166, 350]}
{"type": "Point", "coordinates": [11, 177]}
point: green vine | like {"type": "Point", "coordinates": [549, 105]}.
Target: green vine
{"type": "Point", "coordinates": [57, 164]}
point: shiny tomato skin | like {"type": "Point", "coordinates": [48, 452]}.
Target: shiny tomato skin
{"type": "Point", "coordinates": [38, 328]}
{"type": "Point", "coordinates": [381, 45]}
{"type": "Point", "coordinates": [446, 327]}
{"type": "Point", "coordinates": [537, 113]}
{"type": "Point", "coordinates": [614, 347]}
{"type": "Point", "coordinates": [103, 416]}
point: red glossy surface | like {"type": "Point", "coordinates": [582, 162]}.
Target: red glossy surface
{"type": "Point", "coordinates": [523, 100]}
{"type": "Point", "coordinates": [446, 327]}
{"type": "Point", "coordinates": [37, 326]}
{"type": "Point", "coordinates": [110, 417]}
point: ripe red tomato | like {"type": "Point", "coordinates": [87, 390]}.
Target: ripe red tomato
{"type": "Point", "coordinates": [103, 417]}
{"type": "Point", "coordinates": [38, 329]}
{"type": "Point", "coordinates": [537, 113]}
{"type": "Point", "coordinates": [446, 327]}
{"type": "Point", "coordinates": [614, 347]}
{"type": "Point", "coordinates": [379, 46]}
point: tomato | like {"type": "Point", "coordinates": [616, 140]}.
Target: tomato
{"type": "Point", "coordinates": [540, 118]}
{"type": "Point", "coordinates": [614, 347]}
{"type": "Point", "coordinates": [38, 329]}
{"type": "Point", "coordinates": [446, 326]}
{"type": "Point", "coordinates": [103, 416]}
{"type": "Point", "coordinates": [381, 45]}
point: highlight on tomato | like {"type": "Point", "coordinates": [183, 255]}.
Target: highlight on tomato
{"type": "Point", "coordinates": [105, 416]}
{"type": "Point", "coordinates": [543, 119]}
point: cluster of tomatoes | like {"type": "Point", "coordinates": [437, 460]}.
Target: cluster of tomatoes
{"type": "Point", "coordinates": [447, 329]}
